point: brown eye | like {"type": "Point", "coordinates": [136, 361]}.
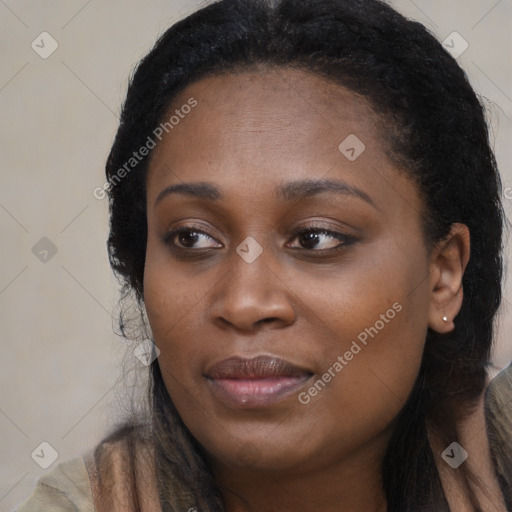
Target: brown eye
{"type": "Point", "coordinates": [187, 238]}
{"type": "Point", "coordinates": [322, 239]}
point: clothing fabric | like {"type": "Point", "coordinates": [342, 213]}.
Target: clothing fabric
{"type": "Point", "coordinates": [65, 488]}
{"type": "Point", "coordinates": [128, 483]}
{"type": "Point", "coordinates": [498, 415]}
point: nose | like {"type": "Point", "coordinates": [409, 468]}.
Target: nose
{"type": "Point", "coordinates": [252, 295]}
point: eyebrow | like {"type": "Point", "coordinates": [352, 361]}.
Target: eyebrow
{"type": "Point", "coordinates": [294, 190]}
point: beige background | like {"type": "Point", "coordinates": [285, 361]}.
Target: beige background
{"type": "Point", "coordinates": [59, 359]}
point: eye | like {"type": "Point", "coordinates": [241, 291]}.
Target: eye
{"type": "Point", "coordinates": [191, 238]}
{"type": "Point", "coordinates": [320, 239]}
{"type": "Point", "coordinates": [309, 238]}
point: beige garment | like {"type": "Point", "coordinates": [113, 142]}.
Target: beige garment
{"type": "Point", "coordinates": [474, 440]}
{"type": "Point", "coordinates": [75, 486]}
{"type": "Point", "coordinates": [498, 415]}
{"type": "Point", "coordinates": [65, 488]}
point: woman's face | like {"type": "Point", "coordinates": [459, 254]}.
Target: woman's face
{"type": "Point", "coordinates": [291, 303]}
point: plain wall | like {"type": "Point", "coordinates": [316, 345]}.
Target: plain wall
{"type": "Point", "coordinates": [59, 358]}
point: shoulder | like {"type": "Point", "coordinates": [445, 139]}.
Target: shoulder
{"type": "Point", "coordinates": [498, 397]}
{"type": "Point", "coordinates": [121, 471]}
{"type": "Point", "coordinates": [498, 411]}
{"type": "Point", "coordinates": [114, 476]}
{"type": "Point", "coordinates": [498, 416]}
{"type": "Point", "coordinates": [62, 489]}
{"type": "Point", "coordinates": [128, 449]}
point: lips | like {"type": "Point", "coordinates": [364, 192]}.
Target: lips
{"type": "Point", "coordinates": [255, 382]}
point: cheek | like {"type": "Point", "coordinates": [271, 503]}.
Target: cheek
{"type": "Point", "coordinates": [172, 304]}
{"type": "Point", "coordinates": [379, 315]}
{"type": "Point", "coordinates": [374, 374]}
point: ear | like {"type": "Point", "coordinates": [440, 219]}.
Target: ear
{"type": "Point", "coordinates": [447, 265]}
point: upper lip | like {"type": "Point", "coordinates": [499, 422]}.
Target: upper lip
{"type": "Point", "coordinates": [259, 367]}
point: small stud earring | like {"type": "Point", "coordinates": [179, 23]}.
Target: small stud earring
{"type": "Point", "coordinates": [445, 318]}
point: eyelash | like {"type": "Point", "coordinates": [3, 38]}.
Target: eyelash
{"type": "Point", "coordinates": [346, 240]}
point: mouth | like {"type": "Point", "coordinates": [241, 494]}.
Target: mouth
{"type": "Point", "coordinates": [256, 382]}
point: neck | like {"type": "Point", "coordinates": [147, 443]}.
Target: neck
{"type": "Point", "coordinates": [352, 484]}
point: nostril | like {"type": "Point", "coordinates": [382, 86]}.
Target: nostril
{"type": "Point", "coordinates": [267, 320]}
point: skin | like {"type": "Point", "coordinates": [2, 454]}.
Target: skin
{"type": "Point", "coordinates": [250, 133]}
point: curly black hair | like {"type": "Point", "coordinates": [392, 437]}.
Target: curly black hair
{"type": "Point", "coordinates": [436, 132]}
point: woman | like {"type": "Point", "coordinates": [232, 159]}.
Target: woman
{"type": "Point", "coordinates": [305, 204]}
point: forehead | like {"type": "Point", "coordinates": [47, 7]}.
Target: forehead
{"type": "Point", "coordinates": [253, 130]}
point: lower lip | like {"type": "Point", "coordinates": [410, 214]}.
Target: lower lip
{"type": "Point", "coordinates": [250, 393]}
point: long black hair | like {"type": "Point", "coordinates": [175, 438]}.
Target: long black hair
{"type": "Point", "coordinates": [436, 132]}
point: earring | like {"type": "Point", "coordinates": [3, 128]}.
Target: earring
{"type": "Point", "coordinates": [445, 318]}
